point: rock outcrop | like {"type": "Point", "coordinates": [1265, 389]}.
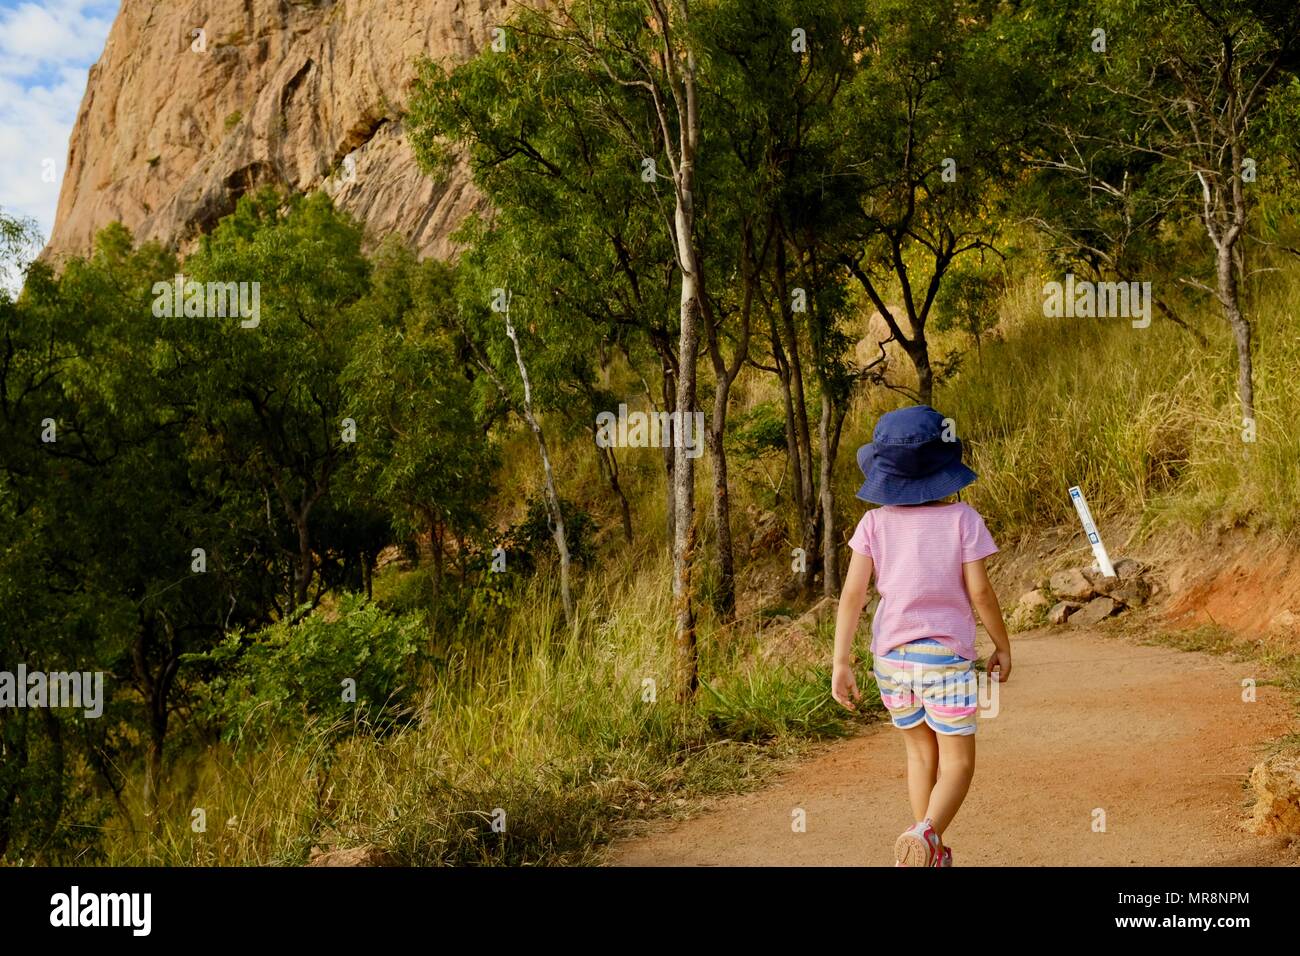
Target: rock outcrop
{"type": "Point", "coordinates": [1276, 786]}
{"type": "Point", "coordinates": [308, 94]}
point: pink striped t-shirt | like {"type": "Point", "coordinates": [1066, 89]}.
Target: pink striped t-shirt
{"type": "Point", "coordinates": [918, 551]}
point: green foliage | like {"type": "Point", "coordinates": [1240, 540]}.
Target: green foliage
{"type": "Point", "coordinates": [291, 676]}
{"type": "Point", "coordinates": [576, 238]}
{"type": "Point", "coordinates": [777, 702]}
{"type": "Point", "coordinates": [757, 440]}
{"type": "Point", "coordinates": [933, 136]}
{"type": "Point", "coordinates": [18, 239]}
{"type": "Point", "coordinates": [969, 300]}
{"type": "Point", "coordinates": [256, 507]}
{"type": "Point", "coordinates": [427, 456]}
{"type": "Point", "coordinates": [758, 431]}
{"type": "Point", "coordinates": [531, 538]}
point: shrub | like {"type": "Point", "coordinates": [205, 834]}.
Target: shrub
{"type": "Point", "coordinates": [531, 538]}
{"type": "Point", "coordinates": [290, 675]}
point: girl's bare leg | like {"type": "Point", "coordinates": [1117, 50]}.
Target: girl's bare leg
{"type": "Point", "coordinates": [922, 767]}
{"type": "Point", "coordinates": [956, 767]}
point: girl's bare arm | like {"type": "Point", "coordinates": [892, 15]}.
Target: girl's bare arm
{"type": "Point", "coordinates": [853, 598]}
{"type": "Point", "coordinates": [985, 600]}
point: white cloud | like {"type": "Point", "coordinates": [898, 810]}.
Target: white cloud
{"type": "Point", "coordinates": [46, 50]}
{"type": "Point", "coordinates": [34, 126]}
{"type": "Point", "coordinates": [35, 36]}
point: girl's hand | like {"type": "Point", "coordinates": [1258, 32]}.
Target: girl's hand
{"type": "Point", "coordinates": [844, 686]}
{"type": "Point", "coordinates": [999, 661]}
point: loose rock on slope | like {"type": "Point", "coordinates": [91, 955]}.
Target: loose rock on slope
{"type": "Point", "coordinates": [1085, 596]}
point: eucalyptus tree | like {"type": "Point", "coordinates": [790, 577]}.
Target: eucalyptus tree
{"type": "Point", "coordinates": [1190, 82]}
{"type": "Point", "coordinates": [935, 126]}
{"type": "Point", "coordinates": [1108, 210]}
{"type": "Point", "coordinates": [584, 132]}
{"type": "Point", "coordinates": [575, 238]}
{"type": "Point", "coordinates": [497, 269]}
{"type": "Point", "coordinates": [652, 49]}
{"type": "Point", "coordinates": [773, 69]}
{"type": "Point", "coordinates": [813, 54]}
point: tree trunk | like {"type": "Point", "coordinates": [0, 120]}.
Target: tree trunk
{"type": "Point", "coordinates": [1224, 215]}
{"type": "Point", "coordinates": [1231, 266]}
{"type": "Point", "coordinates": [1229, 296]}
{"type": "Point", "coordinates": [791, 433]}
{"type": "Point", "coordinates": [916, 346]}
{"type": "Point", "coordinates": [552, 498]}
{"type": "Point", "coordinates": [919, 353]}
{"type": "Point", "coordinates": [803, 433]}
{"type": "Point", "coordinates": [799, 434]}
{"type": "Point", "coordinates": [725, 600]}
{"type": "Point", "coordinates": [831, 573]}
{"type": "Point", "coordinates": [682, 82]}
{"type": "Point", "coordinates": [684, 472]}
{"type": "Point", "coordinates": [609, 466]}
{"type": "Point", "coordinates": [725, 374]}
{"type": "Point", "coordinates": [157, 690]}
{"type": "Point", "coordinates": [303, 567]}
{"type": "Point", "coordinates": [811, 544]}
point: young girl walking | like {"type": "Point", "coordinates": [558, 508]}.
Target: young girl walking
{"type": "Point", "coordinates": [927, 552]}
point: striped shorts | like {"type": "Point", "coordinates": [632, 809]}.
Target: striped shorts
{"type": "Point", "coordinates": [924, 680]}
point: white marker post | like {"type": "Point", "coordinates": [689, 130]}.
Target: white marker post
{"type": "Point", "coordinates": [1090, 529]}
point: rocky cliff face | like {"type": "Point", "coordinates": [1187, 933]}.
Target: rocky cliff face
{"type": "Point", "coordinates": [176, 125]}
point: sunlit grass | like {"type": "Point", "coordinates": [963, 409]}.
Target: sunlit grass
{"type": "Point", "coordinates": [532, 744]}
{"type": "Point", "coordinates": [1143, 419]}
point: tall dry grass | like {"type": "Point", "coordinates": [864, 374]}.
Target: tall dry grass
{"type": "Point", "coordinates": [532, 744]}
{"type": "Point", "coordinates": [1145, 420]}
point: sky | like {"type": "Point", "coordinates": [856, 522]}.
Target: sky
{"type": "Point", "coordinates": [46, 49]}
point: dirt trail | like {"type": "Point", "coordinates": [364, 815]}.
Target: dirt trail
{"type": "Point", "coordinates": [1159, 739]}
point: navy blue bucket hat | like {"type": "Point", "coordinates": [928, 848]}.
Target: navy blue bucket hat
{"type": "Point", "coordinates": [910, 460]}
